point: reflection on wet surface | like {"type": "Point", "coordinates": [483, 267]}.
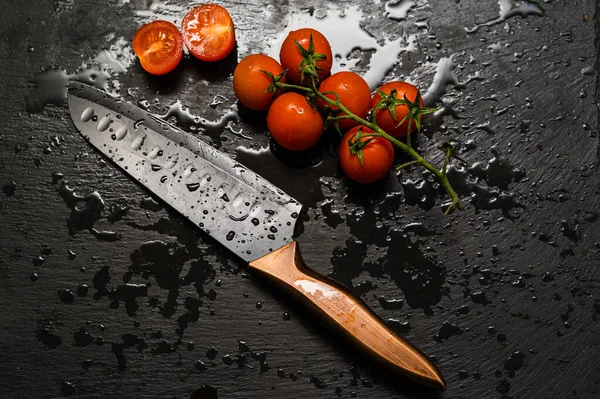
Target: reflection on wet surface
{"type": "Point", "coordinates": [512, 258]}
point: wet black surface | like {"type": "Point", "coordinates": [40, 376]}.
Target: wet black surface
{"type": "Point", "coordinates": [106, 292]}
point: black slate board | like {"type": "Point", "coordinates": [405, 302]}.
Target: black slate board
{"type": "Point", "coordinates": [505, 299]}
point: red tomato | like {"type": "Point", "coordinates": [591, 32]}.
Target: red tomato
{"type": "Point", "coordinates": [159, 47]}
{"type": "Point", "coordinates": [384, 118]}
{"type": "Point", "coordinates": [291, 58]}
{"type": "Point", "coordinates": [378, 157]}
{"type": "Point", "coordinates": [250, 83]}
{"type": "Point", "coordinates": [294, 124]}
{"type": "Point", "coordinates": [354, 93]}
{"type": "Point", "coordinates": [208, 32]}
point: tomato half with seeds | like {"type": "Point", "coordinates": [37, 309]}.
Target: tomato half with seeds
{"type": "Point", "coordinates": [250, 82]}
{"type": "Point", "coordinates": [319, 61]}
{"type": "Point", "coordinates": [208, 32]}
{"type": "Point", "coordinates": [159, 47]}
{"type": "Point", "coordinates": [377, 155]}
{"type": "Point", "coordinates": [384, 117]}
{"type": "Point", "coordinates": [353, 92]}
{"type": "Point", "coordinates": [294, 124]}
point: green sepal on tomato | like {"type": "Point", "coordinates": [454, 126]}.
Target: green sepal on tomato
{"type": "Point", "coordinates": [364, 158]}
{"type": "Point", "coordinates": [253, 81]}
{"type": "Point", "coordinates": [398, 107]}
{"type": "Point", "coordinates": [306, 54]}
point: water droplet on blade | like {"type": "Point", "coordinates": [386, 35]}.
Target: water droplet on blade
{"type": "Point", "coordinates": [193, 186]}
{"type": "Point", "coordinates": [104, 123]}
{"type": "Point", "coordinates": [87, 114]}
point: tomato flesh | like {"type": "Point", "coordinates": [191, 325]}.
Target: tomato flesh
{"type": "Point", "coordinates": [208, 32]}
{"type": "Point", "coordinates": [291, 58]}
{"type": "Point", "coordinates": [159, 47]}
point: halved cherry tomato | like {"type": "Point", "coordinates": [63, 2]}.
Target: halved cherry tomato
{"type": "Point", "coordinates": [377, 155]}
{"type": "Point", "coordinates": [159, 47]}
{"type": "Point", "coordinates": [291, 58]}
{"type": "Point", "coordinates": [352, 90]}
{"type": "Point", "coordinates": [250, 82]}
{"type": "Point", "coordinates": [384, 117]}
{"type": "Point", "coordinates": [208, 32]}
{"type": "Point", "coordinates": [294, 124]}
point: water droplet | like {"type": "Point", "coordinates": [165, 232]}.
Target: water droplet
{"type": "Point", "coordinates": [508, 9]}
{"type": "Point", "coordinates": [104, 123]}
{"type": "Point", "coordinates": [189, 170]}
{"type": "Point", "coordinates": [230, 235]}
{"type": "Point", "coordinates": [87, 114]}
{"type": "Point", "coordinates": [193, 186]}
{"type": "Point", "coordinates": [138, 142]}
{"type": "Point", "coordinates": [255, 221]}
{"type": "Point", "coordinates": [211, 354]}
{"type": "Point", "coordinates": [121, 132]}
{"type": "Point", "coordinates": [67, 388]}
{"type": "Point", "coordinates": [66, 296]}
{"type": "Point", "coordinates": [82, 290]}
{"type": "Point", "coordinates": [33, 276]}
{"type": "Point", "coordinates": [155, 152]}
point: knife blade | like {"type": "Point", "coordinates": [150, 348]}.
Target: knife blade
{"type": "Point", "coordinates": [241, 210]}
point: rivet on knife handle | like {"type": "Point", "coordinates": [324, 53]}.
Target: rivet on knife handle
{"type": "Point", "coordinates": [347, 314]}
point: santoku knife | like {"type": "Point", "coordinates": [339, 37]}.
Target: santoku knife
{"type": "Point", "coordinates": [244, 212]}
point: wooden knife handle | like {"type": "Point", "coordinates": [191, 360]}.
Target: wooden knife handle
{"type": "Point", "coordinates": [347, 314]}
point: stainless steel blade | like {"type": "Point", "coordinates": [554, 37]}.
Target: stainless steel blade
{"type": "Point", "coordinates": [237, 207]}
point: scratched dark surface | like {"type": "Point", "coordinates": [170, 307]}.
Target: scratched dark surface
{"type": "Point", "coordinates": [105, 293]}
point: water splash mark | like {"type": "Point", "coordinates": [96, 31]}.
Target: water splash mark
{"type": "Point", "coordinates": [46, 332]}
{"type": "Point", "coordinates": [85, 211]}
{"type": "Point", "coordinates": [338, 26]}
{"type": "Point", "coordinates": [509, 9]}
{"type": "Point", "coordinates": [185, 120]}
{"type": "Point", "coordinates": [485, 186]}
{"type": "Point", "coordinates": [444, 76]}
{"type": "Point", "coordinates": [417, 275]}
{"type": "Point", "coordinates": [398, 10]}
{"type": "Point", "coordinates": [150, 10]}
{"type": "Point", "coordinates": [205, 392]}
{"type": "Point", "coordinates": [61, 6]}
{"type": "Point", "coordinates": [50, 85]}
{"type": "Point", "coordinates": [174, 268]}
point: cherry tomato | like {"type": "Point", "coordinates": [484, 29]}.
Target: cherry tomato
{"type": "Point", "coordinates": [354, 93]}
{"type": "Point", "coordinates": [291, 58]}
{"type": "Point", "coordinates": [159, 47]}
{"type": "Point", "coordinates": [378, 157]}
{"type": "Point", "coordinates": [294, 124]}
{"type": "Point", "coordinates": [384, 118]}
{"type": "Point", "coordinates": [250, 83]}
{"type": "Point", "coordinates": [208, 32]}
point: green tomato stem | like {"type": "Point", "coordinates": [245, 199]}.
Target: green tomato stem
{"type": "Point", "coordinates": [417, 158]}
